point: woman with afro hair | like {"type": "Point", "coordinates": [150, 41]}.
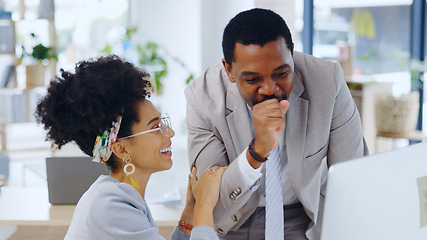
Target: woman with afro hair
{"type": "Point", "coordinates": [103, 108]}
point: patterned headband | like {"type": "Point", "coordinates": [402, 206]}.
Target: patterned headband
{"type": "Point", "coordinates": [102, 150]}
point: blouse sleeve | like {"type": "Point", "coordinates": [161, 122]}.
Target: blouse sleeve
{"type": "Point", "coordinates": [198, 233]}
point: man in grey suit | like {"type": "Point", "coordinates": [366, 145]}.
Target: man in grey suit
{"type": "Point", "coordinates": [264, 96]}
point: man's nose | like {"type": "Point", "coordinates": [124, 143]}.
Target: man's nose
{"type": "Point", "coordinates": [268, 87]}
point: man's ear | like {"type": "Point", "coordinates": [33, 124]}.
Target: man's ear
{"type": "Point", "coordinates": [119, 149]}
{"type": "Point", "coordinates": [228, 70]}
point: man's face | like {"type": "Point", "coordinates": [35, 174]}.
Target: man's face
{"type": "Point", "coordinates": [261, 73]}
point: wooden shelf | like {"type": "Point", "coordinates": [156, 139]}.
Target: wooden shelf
{"type": "Point", "coordinates": [47, 11]}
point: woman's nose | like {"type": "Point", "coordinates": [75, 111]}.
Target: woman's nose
{"type": "Point", "coordinates": [171, 132]}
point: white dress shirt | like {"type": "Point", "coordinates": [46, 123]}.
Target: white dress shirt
{"type": "Point", "coordinates": [252, 175]}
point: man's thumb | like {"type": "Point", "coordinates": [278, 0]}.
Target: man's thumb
{"type": "Point", "coordinates": [285, 104]}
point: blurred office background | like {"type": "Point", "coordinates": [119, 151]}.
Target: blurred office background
{"type": "Point", "coordinates": [375, 41]}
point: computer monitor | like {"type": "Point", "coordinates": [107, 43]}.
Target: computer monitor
{"type": "Point", "coordinates": [382, 196]}
{"type": "Point", "coordinates": [69, 177]}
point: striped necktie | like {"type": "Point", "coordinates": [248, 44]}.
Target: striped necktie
{"type": "Point", "coordinates": [274, 199]}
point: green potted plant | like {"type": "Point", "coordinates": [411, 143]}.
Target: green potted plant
{"type": "Point", "coordinates": [153, 58]}
{"type": "Point", "coordinates": [37, 60]}
{"type": "Point", "coordinates": [150, 56]}
{"type": "Point", "coordinates": [153, 62]}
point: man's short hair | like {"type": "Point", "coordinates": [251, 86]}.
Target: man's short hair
{"type": "Point", "coordinates": [256, 26]}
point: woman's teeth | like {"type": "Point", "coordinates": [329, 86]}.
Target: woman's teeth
{"type": "Point", "coordinates": [165, 150]}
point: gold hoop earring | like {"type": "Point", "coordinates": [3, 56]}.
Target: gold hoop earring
{"type": "Point", "coordinates": [128, 165]}
{"type": "Point", "coordinates": [130, 172]}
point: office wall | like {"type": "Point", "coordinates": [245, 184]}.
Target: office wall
{"type": "Point", "coordinates": [190, 30]}
{"type": "Point", "coordinates": [214, 17]}
{"type": "Point", "coordinates": [175, 26]}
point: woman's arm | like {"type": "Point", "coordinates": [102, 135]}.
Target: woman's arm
{"type": "Point", "coordinates": [202, 196]}
{"type": "Point", "coordinates": [187, 215]}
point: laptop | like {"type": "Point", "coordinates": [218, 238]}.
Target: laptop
{"type": "Point", "coordinates": [382, 196]}
{"type": "Point", "coordinates": [69, 177]}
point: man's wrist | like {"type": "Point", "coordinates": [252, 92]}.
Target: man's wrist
{"type": "Point", "coordinates": [254, 154]}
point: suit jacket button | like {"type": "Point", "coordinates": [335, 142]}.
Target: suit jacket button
{"type": "Point", "coordinates": [234, 218]}
{"type": "Point", "coordinates": [220, 231]}
{"type": "Point", "coordinates": [235, 193]}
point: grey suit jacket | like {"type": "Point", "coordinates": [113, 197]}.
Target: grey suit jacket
{"type": "Point", "coordinates": [322, 127]}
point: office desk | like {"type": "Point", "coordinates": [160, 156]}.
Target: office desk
{"type": "Point", "coordinates": [31, 207]}
{"type": "Point", "coordinates": [415, 135]}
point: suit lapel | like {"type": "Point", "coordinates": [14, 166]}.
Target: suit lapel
{"type": "Point", "coordinates": [296, 128]}
{"type": "Point", "coordinates": [237, 121]}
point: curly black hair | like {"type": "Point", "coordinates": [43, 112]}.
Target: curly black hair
{"type": "Point", "coordinates": [256, 26]}
{"type": "Point", "coordinates": [82, 105]}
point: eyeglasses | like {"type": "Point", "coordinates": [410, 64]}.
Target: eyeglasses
{"type": "Point", "coordinates": [164, 125]}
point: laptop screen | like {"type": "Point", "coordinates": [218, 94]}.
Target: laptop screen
{"type": "Point", "coordinates": [382, 196]}
{"type": "Point", "coordinates": [69, 177]}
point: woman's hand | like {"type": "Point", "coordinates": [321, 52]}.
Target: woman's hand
{"type": "Point", "coordinates": [190, 201]}
{"type": "Point", "coordinates": [206, 194]}
{"type": "Point", "coordinates": [188, 214]}
{"type": "Point", "coordinates": [206, 188]}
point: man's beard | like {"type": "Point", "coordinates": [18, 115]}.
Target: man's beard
{"type": "Point", "coordinates": [279, 98]}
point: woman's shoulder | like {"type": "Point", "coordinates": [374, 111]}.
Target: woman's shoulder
{"type": "Point", "coordinates": [110, 191]}
{"type": "Point", "coordinates": [116, 201]}
{"type": "Point", "coordinates": [117, 208]}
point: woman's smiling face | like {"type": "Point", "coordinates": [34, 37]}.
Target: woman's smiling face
{"type": "Point", "coordinates": [150, 152]}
